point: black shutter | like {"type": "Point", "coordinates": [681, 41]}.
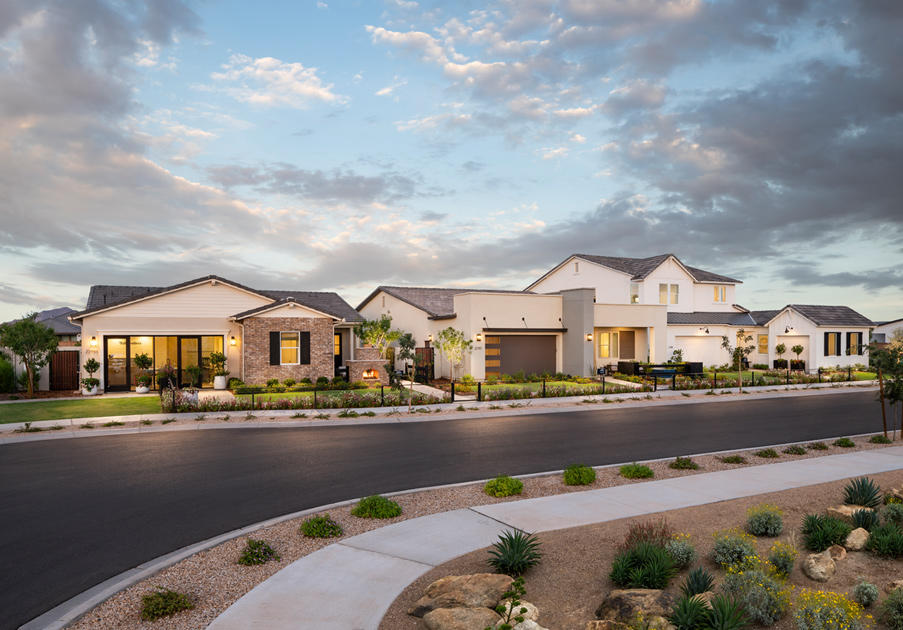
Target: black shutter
{"type": "Point", "coordinates": [305, 348]}
{"type": "Point", "coordinates": [827, 347]}
{"type": "Point", "coordinates": [849, 346]}
{"type": "Point", "coordinates": [274, 348]}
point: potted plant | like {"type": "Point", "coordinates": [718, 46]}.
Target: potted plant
{"type": "Point", "coordinates": [90, 383]}
{"type": "Point", "coordinates": [797, 365]}
{"type": "Point", "coordinates": [143, 362]}
{"type": "Point", "coordinates": [218, 363]}
{"type": "Point", "coordinates": [779, 363]}
{"type": "Point", "coordinates": [193, 372]}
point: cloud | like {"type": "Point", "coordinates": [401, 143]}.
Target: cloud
{"type": "Point", "coordinates": [807, 274]}
{"type": "Point", "coordinates": [389, 89]}
{"type": "Point", "coordinates": [270, 82]}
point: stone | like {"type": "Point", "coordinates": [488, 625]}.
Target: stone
{"type": "Point", "coordinates": [624, 604]}
{"type": "Point", "coordinates": [462, 591]}
{"type": "Point", "coordinates": [532, 611]}
{"type": "Point", "coordinates": [706, 598]}
{"type": "Point", "coordinates": [819, 566]}
{"type": "Point", "coordinates": [837, 552]}
{"type": "Point", "coordinates": [890, 587]}
{"type": "Point", "coordinates": [845, 512]}
{"type": "Point", "coordinates": [857, 539]}
{"type": "Point", "coordinates": [897, 493]}
{"type": "Point", "coordinates": [461, 618]}
{"type": "Point", "coordinates": [659, 623]}
{"type": "Point", "coordinates": [528, 624]}
{"type": "Point", "coordinates": [605, 624]}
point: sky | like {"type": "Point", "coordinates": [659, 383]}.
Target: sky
{"type": "Point", "coordinates": [339, 145]}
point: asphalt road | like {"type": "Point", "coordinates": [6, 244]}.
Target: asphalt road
{"type": "Point", "coordinates": [76, 512]}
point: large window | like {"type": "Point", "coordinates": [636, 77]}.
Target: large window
{"type": "Point", "coordinates": [634, 293]}
{"type": "Point", "coordinates": [674, 293]}
{"type": "Point", "coordinates": [832, 344]}
{"type": "Point", "coordinates": [763, 344]}
{"type": "Point", "coordinates": [720, 293]}
{"type": "Point", "coordinates": [608, 345]}
{"type": "Point", "coordinates": [664, 293]}
{"type": "Point", "coordinates": [289, 348]}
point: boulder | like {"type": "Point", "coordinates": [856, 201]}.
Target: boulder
{"type": "Point", "coordinates": [897, 493]}
{"type": "Point", "coordinates": [837, 552]}
{"type": "Point", "coordinates": [460, 619]}
{"type": "Point", "coordinates": [624, 604]}
{"type": "Point", "coordinates": [857, 539]}
{"type": "Point", "coordinates": [890, 587]}
{"type": "Point", "coordinates": [705, 598]}
{"type": "Point", "coordinates": [605, 624]}
{"type": "Point", "coordinates": [528, 624]}
{"type": "Point", "coordinates": [462, 591]}
{"type": "Point", "coordinates": [819, 566]}
{"type": "Point", "coordinates": [531, 614]}
{"type": "Point", "coordinates": [845, 512]}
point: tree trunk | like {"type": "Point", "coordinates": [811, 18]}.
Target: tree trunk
{"type": "Point", "coordinates": [881, 397]}
{"type": "Point", "coordinates": [30, 371]}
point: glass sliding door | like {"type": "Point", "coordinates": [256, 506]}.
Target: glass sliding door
{"type": "Point", "coordinates": [116, 366]}
{"type": "Point", "coordinates": [166, 353]}
{"type": "Point", "coordinates": [189, 361]}
{"type": "Point", "coordinates": [209, 344]}
{"type": "Point", "coordinates": [139, 345]}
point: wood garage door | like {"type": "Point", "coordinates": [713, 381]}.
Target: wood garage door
{"type": "Point", "coordinates": [507, 354]}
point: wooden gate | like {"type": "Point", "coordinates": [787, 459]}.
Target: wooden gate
{"type": "Point", "coordinates": [423, 365]}
{"type": "Point", "coordinates": [64, 370]}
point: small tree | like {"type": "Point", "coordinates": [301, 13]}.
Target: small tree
{"type": "Point", "coordinates": [406, 345]}
{"type": "Point", "coordinates": [33, 342]}
{"type": "Point", "coordinates": [377, 333]}
{"type": "Point", "coordinates": [453, 345]}
{"type": "Point", "coordinates": [90, 381]}
{"type": "Point", "coordinates": [888, 363]}
{"type": "Point", "coordinates": [143, 362]}
{"type": "Point", "coordinates": [797, 350]}
{"type": "Point", "coordinates": [779, 350]}
{"type": "Point", "coordinates": [739, 352]}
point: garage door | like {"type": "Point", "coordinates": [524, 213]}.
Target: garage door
{"type": "Point", "coordinates": [706, 350]}
{"type": "Point", "coordinates": [507, 354]}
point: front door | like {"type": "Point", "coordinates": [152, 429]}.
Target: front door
{"type": "Point", "coordinates": [116, 366]}
{"type": "Point", "coordinates": [337, 351]}
{"type": "Point", "coordinates": [189, 361]}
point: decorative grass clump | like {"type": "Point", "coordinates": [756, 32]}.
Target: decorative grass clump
{"type": "Point", "coordinates": [886, 540]}
{"type": "Point", "coordinates": [257, 552]}
{"type": "Point", "coordinates": [681, 550]}
{"type": "Point", "coordinates": [891, 612]}
{"type": "Point", "coordinates": [782, 556]}
{"type": "Point", "coordinates": [722, 613]}
{"type": "Point", "coordinates": [862, 491]}
{"type": "Point", "coordinates": [893, 513]}
{"type": "Point", "coordinates": [733, 459]}
{"type": "Point", "coordinates": [865, 593]}
{"type": "Point", "coordinates": [759, 589]}
{"type": "Point", "coordinates": [698, 581]}
{"type": "Point", "coordinates": [376, 506]}
{"type": "Point", "coordinates": [321, 527]}
{"type": "Point", "coordinates": [796, 449]}
{"type": "Point", "coordinates": [820, 532]}
{"type": "Point", "coordinates": [817, 446]}
{"type": "Point", "coordinates": [880, 439]}
{"type": "Point", "coordinates": [866, 519]}
{"type": "Point", "coordinates": [826, 610]}
{"type": "Point", "coordinates": [732, 547]}
{"type": "Point", "coordinates": [683, 463]}
{"type": "Point", "coordinates": [689, 613]}
{"type": "Point", "coordinates": [162, 603]}
{"type": "Point", "coordinates": [579, 475]}
{"type": "Point", "coordinates": [764, 520]}
{"type": "Point", "coordinates": [844, 443]}
{"type": "Point", "coordinates": [635, 471]}
{"type": "Point", "coordinates": [514, 553]}
{"type": "Point", "coordinates": [658, 532]}
{"type": "Point", "coordinates": [767, 453]}
{"type": "Point", "coordinates": [645, 565]}
{"type": "Point", "coordinates": [503, 486]}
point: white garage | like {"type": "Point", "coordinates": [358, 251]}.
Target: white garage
{"type": "Point", "coordinates": [706, 349]}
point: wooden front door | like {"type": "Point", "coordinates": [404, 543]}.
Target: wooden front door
{"type": "Point", "coordinates": [64, 370]}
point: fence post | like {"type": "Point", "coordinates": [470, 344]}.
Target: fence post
{"type": "Point", "coordinates": [252, 400]}
{"type": "Point", "coordinates": [714, 378]}
{"type": "Point", "coordinates": [315, 397]}
{"type": "Point", "coordinates": [788, 375]}
{"type": "Point", "coordinates": [603, 384]}
{"type": "Point", "coordinates": [479, 392]}
{"type": "Point", "coordinates": [453, 391]}
{"type": "Point", "coordinates": [849, 373]}
{"type": "Point", "coordinates": [382, 396]}
{"type": "Point", "coordinates": [674, 381]}
{"type": "Point", "coordinates": [655, 382]}
{"type": "Point", "coordinates": [543, 388]}
{"type": "Point", "coordinates": [819, 375]}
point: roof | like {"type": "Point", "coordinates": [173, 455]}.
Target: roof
{"type": "Point", "coordinates": [57, 319]}
{"type": "Point", "coordinates": [327, 303]}
{"type": "Point", "coordinates": [707, 318]}
{"type": "Point", "coordinates": [763, 317]}
{"type": "Point", "coordinates": [103, 296]}
{"type": "Point", "coordinates": [831, 315]}
{"type": "Point", "coordinates": [437, 302]}
{"type": "Point", "coordinates": [890, 321]}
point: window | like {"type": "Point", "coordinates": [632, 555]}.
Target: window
{"type": "Point", "coordinates": [674, 294]}
{"type": "Point", "coordinates": [763, 344]}
{"type": "Point", "coordinates": [854, 343]}
{"type": "Point", "coordinates": [289, 347]}
{"type": "Point", "coordinates": [576, 267]}
{"type": "Point", "coordinates": [832, 344]}
{"type": "Point", "coordinates": [663, 294]}
{"type": "Point", "coordinates": [608, 345]}
{"type": "Point", "coordinates": [634, 293]}
{"type": "Point", "coordinates": [720, 293]}
{"type": "Point", "coordinates": [337, 344]}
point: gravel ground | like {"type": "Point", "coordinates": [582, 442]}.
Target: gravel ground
{"type": "Point", "coordinates": [215, 580]}
{"type": "Point", "coordinates": [572, 579]}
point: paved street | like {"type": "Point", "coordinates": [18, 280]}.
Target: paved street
{"type": "Point", "coordinates": [76, 512]}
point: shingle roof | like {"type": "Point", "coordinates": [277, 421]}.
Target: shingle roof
{"type": "Point", "coordinates": [712, 318]}
{"type": "Point", "coordinates": [57, 320]}
{"type": "Point", "coordinates": [763, 317]}
{"type": "Point", "coordinates": [639, 268]}
{"type": "Point", "coordinates": [329, 303]}
{"type": "Point", "coordinates": [437, 302]}
{"type": "Point", "coordinates": [103, 296]}
{"type": "Point", "coordinates": [831, 315]}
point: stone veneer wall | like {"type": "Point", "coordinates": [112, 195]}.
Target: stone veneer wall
{"type": "Point", "coordinates": [256, 351]}
{"type": "Point", "coordinates": [367, 359]}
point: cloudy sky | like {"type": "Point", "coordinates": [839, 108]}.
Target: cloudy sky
{"type": "Point", "coordinates": [338, 145]}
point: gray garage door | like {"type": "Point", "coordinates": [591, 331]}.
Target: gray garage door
{"type": "Point", "coordinates": [507, 354]}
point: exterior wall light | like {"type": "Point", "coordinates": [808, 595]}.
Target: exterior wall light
{"type": "Point", "coordinates": [703, 330]}
{"type": "Point", "coordinates": [479, 337]}
{"type": "Point", "coordinates": [429, 337]}
{"type": "Point", "coordinates": [589, 336]}
{"type": "Point", "coordinates": [93, 342]}
{"type": "Point", "coordinates": [232, 341]}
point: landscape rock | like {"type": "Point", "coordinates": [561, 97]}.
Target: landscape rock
{"type": "Point", "coordinates": [837, 552]}
{"type": "Point", "coordinates": [531, 614]}
{"type": "Point", "coordinates": [460, 619]}
{"type": "Point", "coordinates": [890, 587]}
{"type": "Point", "coordinates": [462, 591]}
{"type": "Point", "coordinates": [896, 492]}
{"type": "Point", "coordinates": [624, 604]}
{"type": "Point", "coordinates": [845, 512]}
{"type": "Point", "coordinates": [659, 623]}
{"type": "Point", "coordinates": [706, 598]}
{"type": "Point", "coordinates": [819, 566]}
{"type": "Point", "coordinates": [529, 624]}
{"type": "Point", "coordinates": [857, 539]}
{"type": "Point", "coordinates": [605, 624]}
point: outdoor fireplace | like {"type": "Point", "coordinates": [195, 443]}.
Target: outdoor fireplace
{"type": "Point", "coordinates": [367, 366]}
{"type": "Point", "coordinates": [370, 374]}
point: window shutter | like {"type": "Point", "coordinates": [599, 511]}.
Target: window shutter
{"type": "Point", "coordinates": [827, 350]}
{"type": "Point", "coordinates": [274, 347]}
{"type": "Point", "coordinates": [849, 345]}
{"type": "Point", "coordinates": [305, 348]}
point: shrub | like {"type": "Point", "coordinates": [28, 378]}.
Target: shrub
{"type": "Point", "coordinates": [844, 442]}
{"type": "Point", "coordinates": [503, 486]}
{"type": "Point", "coordinates": [689, 614]}
{"type": "Point", "coordinates": [759, 590]}
{"type": "Point", "coordinates": [681, 550]}
{"type": "Point", "coordinates": [322, 380]}
{"type": "Point", "coordinates": [726, 614]}
{"type": "Point", "coordinates": [893, 513]}
{"type": "Point", "coordinates": [866, 519]}
{"type": "Point", "coordinates": [733, 459]}
{"type": "Point", "coordinates": [889, 498]}
{"type": "Point", "coordinates": [826, 610]}
{"type": "Point", "coordinates": [272, 382]}
{"type": "Point", "coordinates": [257, 552]}
{"type": "Point", "coordinates": [289, 382]}
{"type": "Point", "coordinates": [162, 603]}
{"type": "Point", "coordinates": [886, 540]}
{"type": "Point", "coordinates": [321, 527]}
{"type": "Point", "coordinates": [235, 383]}
{"type": "Point", "coordinates": [782, 557]}
{"type": "Point", "coordinates": [865, 593]}
{"type": "Point", "coordinates": [892, 610]}
{"type": "Point", "coordinates": [796, 449]}
{"type": "Point", "coordinates": [683, 463]}
{"type": "Point", "coordinates": [764, 520]}
{"type": "Point", "coordinates": [646, 565]}
{"type": "Point", "coordinates": [657, 532]}
{"type": "Point", "coordinates": [880, 439]}
{"type": "Point", "coordinates": [768, 453]}
{"type": "Point", "coordinates": [698, 581]}
{"type": "Point", "coordinates": [635, 471]}
{"type": "Point", "coordinates": [7, 376]}
{"type": "Point", "coordinates": [820, 532]}
{"type": "Point", "coordinates": [376, 506]}
{"type": "Point", "coordinates": [579, 475]}
{"type": "Point", "coordinates": [817, 446]}
{"type": "Point", "coordinates": [862, 491]}
{"type": "Point", "coordinates": [732, 547]}
{"type": "Point", "coordinates": [514, 553]}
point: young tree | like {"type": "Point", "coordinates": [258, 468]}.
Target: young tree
{"type": "Point", "coordinates": [377, 333]}
{"type": "Point", "coordinates": [797, 350]}
{"type": "Point", "coordinates": [779, 350]}
{"type": "Point", "coordinates": [33, 342]}
{"type": "Point", "coordinates": [406, 345]}
{"type": "Point", "coordinates": [453, 345]}
{"type": "Point", "coordinates": [739, 352]}
{"type": "Point", "coordinates": [888, 363]}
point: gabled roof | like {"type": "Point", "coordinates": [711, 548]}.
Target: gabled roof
{"type": "Point", "coordinates": [639, 268]}
{"type": "Point", "coordinates": [437, 302]}
{"type": "Point", "coordinates": [726, 318]}
{"type": "Point", "coordinates": [763, 317]}
{"type": "Point", "coordinates": [103, 296]}
{"type": "Point", "coordinates": [890, 321]}
{"type": "Point", "coordinates": [820, 315]}
{"type": "Point", "coordinates": [57, 319]}
{"type": "Point", "coordinates": [291, 300]}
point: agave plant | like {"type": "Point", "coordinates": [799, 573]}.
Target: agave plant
{"type": "Point", "coordinates": [726, 614]}
{"type": "Point", "coordinates": [698, 581]}
{"type": "Point", "coordinates": [688, 614]}
{"type": "Point", "coordinates": [866, 519]}
{"type": "Point", "coordinates": [862, 491]}
{"type": "Point", "coordinates": [514, 553]}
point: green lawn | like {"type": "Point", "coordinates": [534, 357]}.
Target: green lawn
{"type": "Point", "coordinates": [532, 386]}
{"type": "Point", "coordinates": [88, 408]}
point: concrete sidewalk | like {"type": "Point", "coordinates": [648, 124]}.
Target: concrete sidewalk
{"type": "Point", "coordinates": [351, 584]}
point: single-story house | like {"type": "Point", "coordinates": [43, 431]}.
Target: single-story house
{"type": "Point", "coordinates": [264, 334]}
{"type": "Point", "coordinates": [884, 332]}
{"type": "Point", "coordinates": [61, 373]}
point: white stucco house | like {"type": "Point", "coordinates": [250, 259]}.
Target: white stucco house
{"type": "Point", "coordinates": [884, 331]}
